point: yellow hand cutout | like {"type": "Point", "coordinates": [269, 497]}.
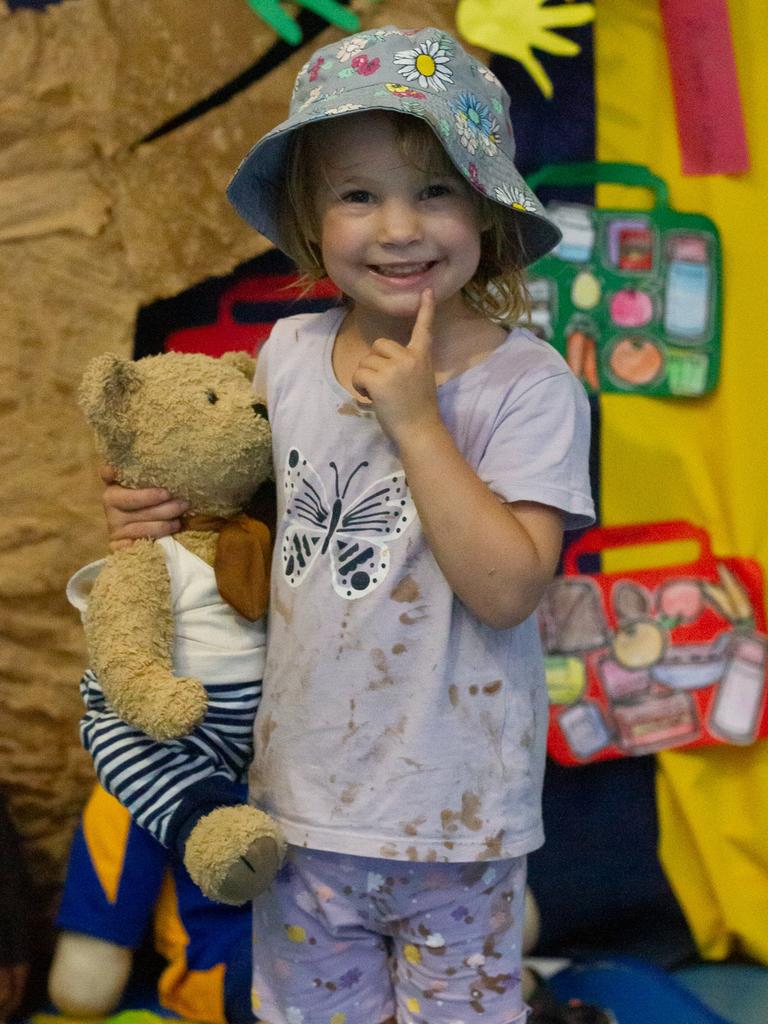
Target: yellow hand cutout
{"type": "Point", "coordinates": [514, 28]}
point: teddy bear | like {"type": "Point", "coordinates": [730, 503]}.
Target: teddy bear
{"type": "Point", "coordinates": [175, 628]}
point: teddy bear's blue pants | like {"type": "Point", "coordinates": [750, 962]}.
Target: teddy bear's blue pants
{"type": "Point", "coordinates": [167, 786]}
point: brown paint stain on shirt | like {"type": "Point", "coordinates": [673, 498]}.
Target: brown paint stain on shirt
{"type": "Point", "coordinates": [411, 618]}
{"type": "Point", "coordinates": [493, 845]}
{"type": "Point", "coordinates": [498, 983]}
{"type": "Point", "coordinates": [489, 689]}
{"type": "Point", "coordinates": [406, 591]}
{"type": "Point", "coordinates": [348, 409]}
{"type": "Point", "coordinates": [349, 794]}
{"type": "Point", "coordinates": [448, 820]}
{"type": "Point", "coordinates": [283, 610]}
{"type": "Point", "coordinates": [266, 728]}
{"type": "Point", "coordinates": [352, 726]}
{"type": "Point", "coordinates": [526, 739]}
{"type": "Point", "coordinates": [399, 649]}
{"type": "Point", "coordinates": [379, 659]}
{"type": "Point", "coordinates": [467, 816]}
{"type": "Point", "coordinates": [411, 828]}
{"type": "Point", "coordinates": [453, 695]}
{"type": "Point", "coordinates": [470, 805]}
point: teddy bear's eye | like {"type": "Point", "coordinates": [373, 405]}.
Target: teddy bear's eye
{"type": "Point", "coordinates": [212, 397]}
{"type": "Point", "coordinates": [260, 410]}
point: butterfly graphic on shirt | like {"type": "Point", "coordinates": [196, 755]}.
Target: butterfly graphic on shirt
{"type": "Point", "coordinates": [354, 533]}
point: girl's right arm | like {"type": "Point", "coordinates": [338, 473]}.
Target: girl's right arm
{"type": "Point", "coordinates": [148, 512]}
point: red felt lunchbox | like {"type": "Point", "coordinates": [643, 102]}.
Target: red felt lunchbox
{"type": "Point", "coordinates": [656, 658]}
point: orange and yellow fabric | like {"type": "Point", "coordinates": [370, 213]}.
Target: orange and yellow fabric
{"type": "Point", "coordinates": [121, 883]}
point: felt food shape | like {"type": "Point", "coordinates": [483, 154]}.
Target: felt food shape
{"type": "Point", "coordinates": [631, 308]}
{"type": "Point", "coordinates": [635, 360]}
{"type": "Point", "coordinates": [585, 292]}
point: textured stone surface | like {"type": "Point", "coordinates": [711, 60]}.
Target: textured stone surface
{"type": "Point", "coordinates": [94, 225]}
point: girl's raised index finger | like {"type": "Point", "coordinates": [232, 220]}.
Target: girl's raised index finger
{"type": "Point", "coordinates": [421, 335]}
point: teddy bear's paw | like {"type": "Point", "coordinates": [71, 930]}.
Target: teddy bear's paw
{"type": "Point", "coordinates": [233, 853]}
{"type": "Point", "coordinates": [251, 874]}
{"type": "Point", "coordinates": [167, 706]}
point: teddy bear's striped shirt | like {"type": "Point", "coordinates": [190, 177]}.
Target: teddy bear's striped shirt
{"type": "Point", "coordinates": [152, 779]}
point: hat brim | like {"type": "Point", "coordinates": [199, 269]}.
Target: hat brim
{"type": "Point", "coordinates": [255, 187]}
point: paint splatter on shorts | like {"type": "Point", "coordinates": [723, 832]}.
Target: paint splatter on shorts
{"type": "Point", "coordinates": [340, 939]}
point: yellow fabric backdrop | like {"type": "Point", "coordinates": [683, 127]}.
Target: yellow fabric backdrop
{"type": "Point", "coordinates": [703, 459]}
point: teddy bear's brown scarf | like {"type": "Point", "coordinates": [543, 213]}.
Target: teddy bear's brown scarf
{"type": "Point", "coordinates": [243, 556]}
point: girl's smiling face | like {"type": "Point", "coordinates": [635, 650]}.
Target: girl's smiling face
{"type": "Point", "coordinates": [388, 229]}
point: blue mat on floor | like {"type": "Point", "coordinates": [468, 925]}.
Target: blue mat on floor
{"type": "Point", "coordinates": [636, 992]}
{"type": "Point", "coordinates": [738, 991]}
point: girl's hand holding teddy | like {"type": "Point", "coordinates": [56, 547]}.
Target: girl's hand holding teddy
{"type": "Point", "coordinates": [147, 512]}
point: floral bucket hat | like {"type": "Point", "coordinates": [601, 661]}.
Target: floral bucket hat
{"type": "Point", "coordinates": [424, 73]}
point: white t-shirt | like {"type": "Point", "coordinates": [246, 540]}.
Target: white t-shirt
{"type": "Point", "coordinates": [393, 722]}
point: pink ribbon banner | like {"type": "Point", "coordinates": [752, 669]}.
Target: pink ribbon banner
{"type": "Point", "coordinates": [710, 122]}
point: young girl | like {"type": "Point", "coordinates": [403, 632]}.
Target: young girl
{"type": "Point", "coordinates": [427, 460]}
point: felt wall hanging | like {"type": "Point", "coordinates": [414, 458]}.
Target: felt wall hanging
{"type": "Point", "coordinates": [702, 459]}
{"type": "Point", "coordinates": [662, 657]}
{"type": "Point", "coordinates": [705, 86]}
{"type": "Point", "coordinates": [290, 30]}
{"type": "Point", "coordinates": [631, 298]}
{"type": "Point", "coordinates": [247, 311]}
{"type": "Point", "coordinates": [515, 28]}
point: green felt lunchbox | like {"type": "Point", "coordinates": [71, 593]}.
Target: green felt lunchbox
{"type": "Point", "coordinates": [632, 298]}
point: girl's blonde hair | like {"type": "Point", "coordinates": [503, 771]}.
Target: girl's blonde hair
{"type": "Point", "coordinates": [497, 289]}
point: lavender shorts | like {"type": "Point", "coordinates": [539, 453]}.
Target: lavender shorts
{"type": "Point", "coordinates": [340, 939]}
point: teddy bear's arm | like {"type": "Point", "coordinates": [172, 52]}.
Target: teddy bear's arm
{"type": "Point", "coordinates": [129, 629]}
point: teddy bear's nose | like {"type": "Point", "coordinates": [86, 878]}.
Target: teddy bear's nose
{"type": "Point", "coordinates": [260, 409]}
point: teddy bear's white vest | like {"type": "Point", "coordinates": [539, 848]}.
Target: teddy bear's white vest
{"type": "Point", "coordinates": [212, 642]}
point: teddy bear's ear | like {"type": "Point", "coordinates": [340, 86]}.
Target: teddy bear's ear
{"type": "Point", "coordinates": [106, 387]}
{"type": "Point", "coordinates": [241, 361]}
{"type": "Point", "coordinates": [107, 382]}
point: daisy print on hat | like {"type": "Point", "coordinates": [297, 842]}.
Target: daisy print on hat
{"type": "Point", "coordinates": [514, 197]}
{"type": "Point", "coordinates": [475, 125]}
{"type": "Point", "coordinates": [427, 63]}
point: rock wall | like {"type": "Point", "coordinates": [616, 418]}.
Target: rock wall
{"type": "Point", "coordinates": [95, 224]}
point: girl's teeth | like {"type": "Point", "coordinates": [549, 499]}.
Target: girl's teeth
{"type": "Point", "coordinates": [403, 271]}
